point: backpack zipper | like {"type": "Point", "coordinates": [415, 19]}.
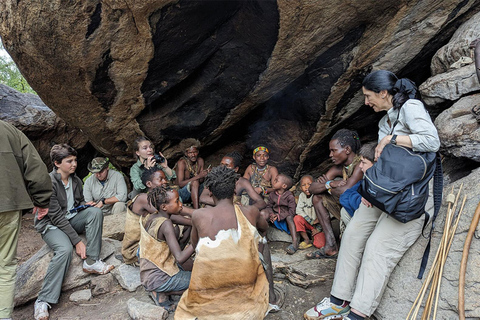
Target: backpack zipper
{"type": "Point", "coordinates": [376, 185]}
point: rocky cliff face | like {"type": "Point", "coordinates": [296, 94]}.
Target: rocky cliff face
{"type": "Point", "coordinates": [231, 73]}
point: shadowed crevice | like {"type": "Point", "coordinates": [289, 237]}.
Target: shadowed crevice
{"type": "Point", "coordinates": [203, 69]}
{"type": "Point", "coordinates": [95, 20]}
{"type": "Point", "coordinates": [103, 87]}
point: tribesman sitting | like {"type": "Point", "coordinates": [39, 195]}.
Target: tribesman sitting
{"type": "Point", "coordinates": [105, 188]}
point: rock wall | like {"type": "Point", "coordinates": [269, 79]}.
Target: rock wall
{"type": "Point", "coordinates": [404, 286]}
{"type": "Point", "coordinates": [230, 73]}
{"type": "Point", "coordinates": [28, 113]}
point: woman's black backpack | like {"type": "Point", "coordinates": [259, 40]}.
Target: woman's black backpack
{"type": "Point", "coordinates": [398, 185]}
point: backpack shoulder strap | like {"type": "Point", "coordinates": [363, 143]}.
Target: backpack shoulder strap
{"type": "Point", "coordinates": [437, 201]}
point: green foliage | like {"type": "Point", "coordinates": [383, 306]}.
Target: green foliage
{"type": "Point", "coordinates": [10, 75]}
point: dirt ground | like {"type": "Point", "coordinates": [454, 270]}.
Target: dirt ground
{"type": "Point", "coordinates": [112, 305]}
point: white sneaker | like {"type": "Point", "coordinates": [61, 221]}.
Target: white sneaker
{"type": "Point", "coordinates": [99, 267]}
{"type": "Point", "coordinates": [41, 310]}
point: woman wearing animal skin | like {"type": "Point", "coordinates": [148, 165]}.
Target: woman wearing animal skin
{"type": "Point", "coordinates": [374, 242]}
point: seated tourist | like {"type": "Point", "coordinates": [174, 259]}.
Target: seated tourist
{"type": "Point", "coordinates": [351, 199]}
{"type": "Point", "coordinates": [232, 161]}
{"type": "Point", "coordinates": [306, 218]}
{"type": "Point", "coordinates": [281, 207]}
{"type": "Point", "coordinates": [228, 280]}
{"type": "Point", "coordinates": [61, 226]}
{"type": "Point", "coordinates": [146, 159]}
{"type": "Point", "coordinates": [190, 172]}
{"type": "Point", "coordinates": [261, 174]}
{"type": "Point", "coordinates": [164, 266]}
{"type": "Point", "coordinates": [326, 191]}
{"type": "Point", "coordinates": [105, 189]}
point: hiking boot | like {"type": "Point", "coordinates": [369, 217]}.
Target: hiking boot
{"type": "Point", "coordinates": [99, 267]}
{"type": "Point", "coordinates": [41, 310]}
{"type": "Point", "coordinates": [327, 310]}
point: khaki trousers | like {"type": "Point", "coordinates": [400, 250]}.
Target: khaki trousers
{"type": "Point", "coordinates": [89, 221]}
{"type": "Point", "coordinates": [10, 223]}
{"type": "Point", "coordinates": [372, 245]}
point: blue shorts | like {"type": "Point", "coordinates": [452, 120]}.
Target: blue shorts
{"type": "Point", "coordinates": [185, 193]}
{"type": "Point", "coordinates": [178, 282]}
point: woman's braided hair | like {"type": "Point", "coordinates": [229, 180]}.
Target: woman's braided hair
{"type": "Point", "coordinates": [158, 196]}
{"type": "Point", "coordinates": [347, 137]}
{"type": "Point", "coordinates": [221, 182]}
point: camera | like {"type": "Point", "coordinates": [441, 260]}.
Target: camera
{"type": "Point", "coordinates": [158, 158]}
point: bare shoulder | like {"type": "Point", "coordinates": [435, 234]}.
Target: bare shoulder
{"type": "Point", "coordinates": [272, 170]}
{"type": "Point", "coordinates": [251, 213]}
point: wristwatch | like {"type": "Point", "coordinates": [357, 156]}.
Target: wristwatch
{"type": "Point", "coordinates": [394, 139]}
{"type": "Point", "coordinates": [102, 200]}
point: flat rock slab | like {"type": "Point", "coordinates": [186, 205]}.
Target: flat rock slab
{"type": "Point", "coordinates": [274, 234]}
{"type": "Point", "coordinates": [139, 310]}
{"type": "Point", "coordinates": [81, 296]}
{"type": "Point", "coordinates": [114, 226]}
{"type": "Point", "coordinates": [128, 277]}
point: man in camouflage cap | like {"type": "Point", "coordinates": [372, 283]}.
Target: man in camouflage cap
{"type": "Point", "coordinates": [105, 188]}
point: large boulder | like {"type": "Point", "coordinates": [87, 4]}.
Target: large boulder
{"type": "Point", "coordinates": [31, 273]}
{"type": "Point", "coordinates": [450, 85]}
{"type": "Point", "coordinates": [458, 47]}
{"type": "Point", "coordinates": [404, 286]}
{"type": "Point", "coordinates": [230, 73]}
{"type": "Point", "coordinates": [41, 125]}
{"type": "Point", "coordinates": [458, 129]}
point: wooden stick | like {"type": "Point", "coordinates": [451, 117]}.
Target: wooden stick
{"type": "Point", "coordinates": [463, 265]}
{"type": "Point", "coordinates": [447, 250]}
{"type": "Point", "coordinates": [412, 314]}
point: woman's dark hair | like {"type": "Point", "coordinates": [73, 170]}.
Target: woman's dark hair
{"type": "Point", "coordinates": [158, 196]}
{"type": "Point", "coordinates": [221, 182]}
{"type": "Point", "coordinates": [236, 157]}
{"type": "Point", "coordinates": [348, 138]}
{"type": "Point", "coordinates": [60, 152]}
{"type": "Point", "coordinates": [400, 89]}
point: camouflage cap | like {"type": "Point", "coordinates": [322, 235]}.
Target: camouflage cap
{"type": "Point", "coordinates": [97, 164]}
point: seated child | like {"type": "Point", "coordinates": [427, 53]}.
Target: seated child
{"type": "Point", "coordinates": [281, 207]}
{"type": "Point", "coordinates": [350, 199]}
{"type": "Point", "coordinates": [60, 229]}
{"type": "Point", "coordinates": [232, 161]}
{"type": "Point", "coordinates": [306, 218]}
{"type": "Point", "coordinates": [190, 172]}
{"type": "Point", "coordinates": [138, 207]}
{"type": "Point", "coordinates": [228, 280]}
{"type": "Point", "coordinates": [326, 191]}
{"type": "Point", "coordinates": [260, 174]}
{"type": "Point", "coordinates": [146, 160]}
{"type": "Point", "coordinates": [164, 266]}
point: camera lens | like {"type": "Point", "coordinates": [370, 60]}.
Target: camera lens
{"type": "Point", "coordinates": [159, 158]}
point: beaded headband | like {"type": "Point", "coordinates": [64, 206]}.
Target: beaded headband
{"type": "Point", "coordinates": [260, 149]}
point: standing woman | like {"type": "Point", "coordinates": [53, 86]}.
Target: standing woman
{"type": "Point", "coordinates": [374, 242]}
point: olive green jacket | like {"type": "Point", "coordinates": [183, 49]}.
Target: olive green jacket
{"type": "Point", "coordinates": [24, 179]}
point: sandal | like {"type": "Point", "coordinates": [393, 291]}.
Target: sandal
{"type": "Point", "coordinates": [167, 304]}
{"type": "Point", "coordinates": [303, 245]}
{"type": "Point", "coordinates": [320, 254]}
{"type": "Point", "coordinates": [291, 249]}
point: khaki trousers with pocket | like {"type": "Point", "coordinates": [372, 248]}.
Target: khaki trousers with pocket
{"type": "Point", "coordinates": [372, 245]}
